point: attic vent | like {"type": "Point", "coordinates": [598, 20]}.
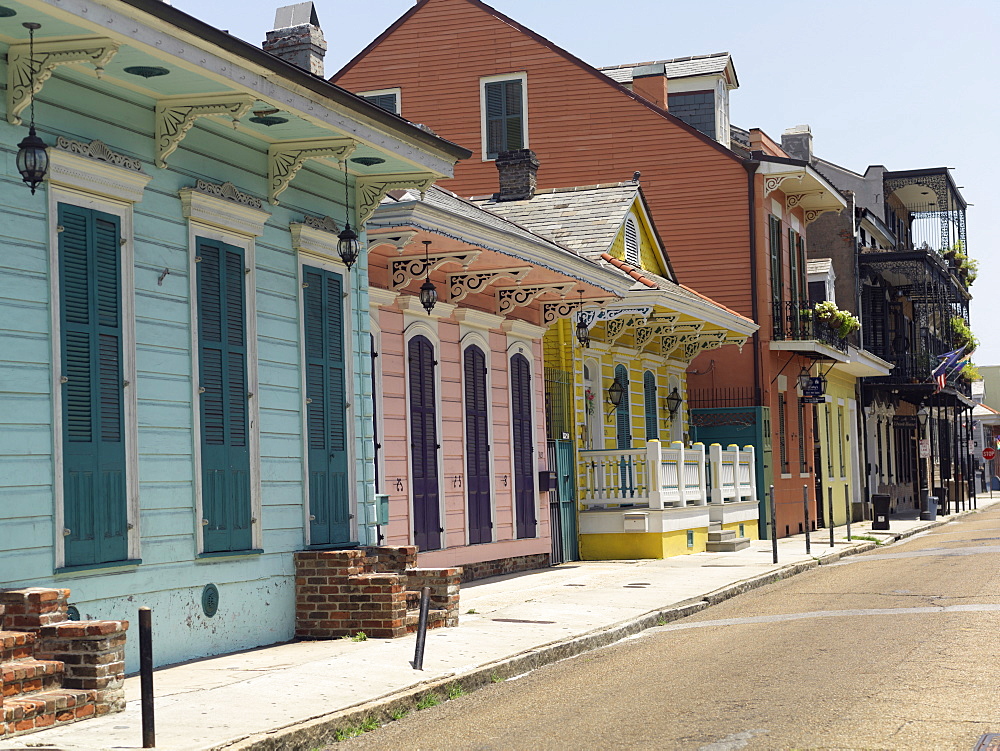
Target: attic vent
{"type": "Point", "coordinates": [631, 242]}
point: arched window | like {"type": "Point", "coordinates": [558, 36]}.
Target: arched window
{"type": "Point", "coordinates": [632, 242]}
{"type": "Point", "coordinates": [649, 399]}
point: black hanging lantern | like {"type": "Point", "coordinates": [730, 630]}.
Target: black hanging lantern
{"type": "Point", "coordinates": [348, 247]}
{"type": "Point", "coordinates": [615, 393]}
{"type": "Point", "coordinates": [673, 402]}
{"type": "Point", "coordinates": [582, 330]}
{"type": "Point", "coordinates": [32, 158]}
{"type": "Point", "coordinates": [428, 292]}
{"type": "Point", "coordinates": [805, 379]}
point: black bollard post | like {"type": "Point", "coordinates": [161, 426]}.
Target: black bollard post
{"type": "Point", "coordinates": [418, 655]}
{"type": "Point", "coordinates": [805, 509]}
{"type": "Point", "coordinates": [774, 530]}
{"type": "Point", "coordinates": [146, 676]}
{"type": "Point", "coordinates": [847, 504]}
{"type": "Point", "coordinates": [830, 504]}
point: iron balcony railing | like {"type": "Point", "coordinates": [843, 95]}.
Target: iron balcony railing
{"type": "Point", "coordinates": [795, 321]}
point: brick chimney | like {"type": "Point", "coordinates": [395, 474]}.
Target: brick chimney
{"type": "Point", "coordinates": [650, 82]}
{"type": "Point", "coordinates": [297, 38]}
{"type": "Point", "coordinates": [518, 170]}
{"type": "Point", "coordinates": [798, 142]}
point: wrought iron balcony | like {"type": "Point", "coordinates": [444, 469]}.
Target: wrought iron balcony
{"type": "Point", "coordinates": [795, 321]}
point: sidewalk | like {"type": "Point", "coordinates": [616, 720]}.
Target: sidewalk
{"type": "Point", "coordinates": [294, 695]}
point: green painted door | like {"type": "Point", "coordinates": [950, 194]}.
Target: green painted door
{"type": "Point", "coordinates": [562, 505]}
{"type": "Point", "coordinates": [225, 424]}
{"type": "Point", "coordinates": [326, 408]}
{"type": "Point", "coordinates": [95, 504]}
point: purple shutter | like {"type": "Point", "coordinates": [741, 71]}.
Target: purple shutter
{"type": "Point", "coordinates": [523, 449]}
{"type": "Point", "coordinates": [477, 457]}
{"type": "Point", "coordinates": [424, 445]}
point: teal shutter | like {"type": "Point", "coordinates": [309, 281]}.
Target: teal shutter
{"type": "Point", "coordinates": [623, 418]}
{"type": "Point", "coordinates": [326, 404]}
{"type": "Point", "coordinates": [649, 396]}
{"type": "Point", "coordinates": [775, 243]}
{"type": "Point", "coordinates": [793, 262]}
{"type": "Point", "coordinates": [95, 504]}
{"type": "Point", "coordinates": [385, 101]}
{"type": "Point", "coordinates": [504, 117]}
{"type": "Point", "coordinates": [225, 424]}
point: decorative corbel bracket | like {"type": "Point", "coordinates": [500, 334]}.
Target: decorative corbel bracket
{"type": "Point", "coordinates": [794, 199]}
{"type": "Point", "coordinates": [27, 75]}
{"type": "Point", "coordinates": [462, 284]}
{"type": "Point", "coordinates": [617, 327]}
{"type": "Point", "coordinates": [811, 215]}
{"type": "Point", "coordinates": [285, 159]}
{"type": "Point", "coordinates": [509, 298]}
{"type": "Point", "coordinates": [704, 340]}
{"type": "Point", "coordinates": [176, 115]}
{"type": "Point", "coordinates": [371, 189]}
{"type": "Point", "coordinates": [553, 311]}
{"type": "Point", "coordinates": [645, 333]}
{"type": "Point", "coordinates": [405, 270]}
{"type": "Point", "coordinates": [396, 239]}
{"type": "Point", "coordinates": [590, 317]}
{"type": "Point", "coordinates": [771, 182]}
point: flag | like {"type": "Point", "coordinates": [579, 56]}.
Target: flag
{"type": "Point", "coordinates": [948, 361]}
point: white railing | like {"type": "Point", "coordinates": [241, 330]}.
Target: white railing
{"type": "Point", "coordinates": [675, 477]}
{"type": "Point", "coordinates": [732, 474]}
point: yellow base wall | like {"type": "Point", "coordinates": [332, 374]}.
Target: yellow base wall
{"type": "Point", "coordinates": [632, 545]}
{"type": "Point", "coordinates": [750, 530]}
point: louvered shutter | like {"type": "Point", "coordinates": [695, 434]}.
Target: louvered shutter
{"type": "Point", "coordinates": [632, 243]}
{"type": "Point", "coordinates": [326, 405]}
{"type": "Point", "coordinates": [222, 365]}
{"type": "Point", "coordinates": [623, 418]}
{"type": "Point", "coordinates": [649, 397]}
{"type": "Point", "coordinates": [524, 447]}
{"type": "Point", "coordinates": [424, 444]}
{"type": "Point", "coordinates": [775, 247]}
{"type": "Point", "coordinates": [504, 117]}
{"type": "Point", "coordinates": [385, 101]}
{"type": "Point", "coordinates": [477, 457]}
{"type": "Point", "coordinates": [793, 262]}
{"type": "Point", "coordinates": [95, 504]}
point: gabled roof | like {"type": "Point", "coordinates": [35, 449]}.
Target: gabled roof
{"type": "Point", "coordinates": [679, 67]}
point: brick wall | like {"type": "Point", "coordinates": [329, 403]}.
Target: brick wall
{"type": "Point", "coordinates": [93, 653]}
{"type": "Point", "coordinates": [501, 566]}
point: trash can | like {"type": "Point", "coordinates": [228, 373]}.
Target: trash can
{"type": "Point", "coordinates": [880, 511]}
{"type": "Point", "coordinates": [929, 512]}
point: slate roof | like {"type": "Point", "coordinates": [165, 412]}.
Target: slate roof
{"type": "Point", "coordinates": [678, 67]}
{"type": "Point", "coordinates": [585, 219]}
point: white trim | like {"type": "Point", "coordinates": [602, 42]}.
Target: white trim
{"type": "Point", "coordinates": [517, 347]}
{"type": "Point", "coordinates": [320, 245]}
{"type": "Point", "coordinates": [95, 177]}
{"type": "Point", "coordinates": [414, 327]}
{"type": "Point", "coordinates": [593, 423]}
{"type": "Point", "coordinates": [228, 216]}
{"type": "Point", "coordinates": [637, 261]}
{"type": "Point", "coordinates": [475, 338]}
{"type": "Point", "coordinates": [231, 237]}
{"type": "Point", "coordinates": [471, 319]}
{"type": "Point", "coordinates": [349, 418]}
{"type": "Point", "coordinates": [58, 194]}
{"type": "Point", "coordinates": [410, 306]}
{"type": "Point", "coordinates": [398, 92]}
{"type": "Point", "coordinates": [378, 297]}
{"type": "Point", "coordinates": [522, 330]}
{"type": "Point", "coordinates": [523, 78]}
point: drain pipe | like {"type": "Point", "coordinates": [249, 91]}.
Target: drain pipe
{"type": "Point", "coordinates": [751, 166]}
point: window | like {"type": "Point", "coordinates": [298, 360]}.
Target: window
{"type": "Point", "coordinates": [504, 113]}
{"type": "Point", "coordinates": [793, 263]}
{"type": "Point", "coordinates": [827, 413]}
{"type": "Point", "coordinates": [782, 441]}
{"type": "Point", "coordinates": [632, 242]}
{"type": "Point", "coordinates": [649, 396]}
{"type": "Point", "coordinates": [841, 439]}
{"type": "Point", "coordinates": [387, 99]}
{"type": "Point", "coordinates": [775, 247]}
{"type": "Point", "coordinates": [803, 465]}
{"type": "Point", "coordinates": [223, 386]}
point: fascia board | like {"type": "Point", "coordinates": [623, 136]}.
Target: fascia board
{"type": "Point", "coordinates": [700, 309]}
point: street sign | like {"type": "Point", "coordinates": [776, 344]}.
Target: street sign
{"type": "Point", "coordinates": [813, 400]}
{"type": "Point", "coordinates": [989, 453]}
{"type": "Point", "coordinates": [925, 448]}
{"type": "Point", "coordinates": [815, 387]}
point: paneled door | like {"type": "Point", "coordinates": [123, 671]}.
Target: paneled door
{"type": "Point", "coordinates": [424, 445]}
{"type": "Point", "coordinates": [524, 446]}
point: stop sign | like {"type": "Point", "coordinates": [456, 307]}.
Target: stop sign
{"type": "Point", "coordinates": [989, 453]}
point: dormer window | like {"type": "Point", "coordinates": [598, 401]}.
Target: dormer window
{"type": "Point", "coordinates": [632, 242]}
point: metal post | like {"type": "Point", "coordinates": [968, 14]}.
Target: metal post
{"type": "Point", "coordinates": [847, 505]}
{"type": "Point", "coordinates": [805, 509]}
{"type": "Point", "coordinates": [774, 530]}
{"type": "Point", "coordinates": [830, 504]}
{"type": "Point", "coordinates": [146, 676]}
{"type": "Point", "coordinates": [418, 655]}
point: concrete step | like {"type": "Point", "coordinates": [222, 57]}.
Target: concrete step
{"type": "Point", "coordinates": [16, 645]}
{"type": "Point", "coordinates": [721, 535]}
{"type": "Point", "coordinates": [27, 676]}
{"type": "Point", "coordinates": [728, 546]}
{"type": "Point", "coordinates": [26, 714]}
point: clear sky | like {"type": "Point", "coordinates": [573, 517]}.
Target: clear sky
{"type": "Point", "coordinates": [903, 83]}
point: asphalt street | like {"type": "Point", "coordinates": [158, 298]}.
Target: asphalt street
{"type": "Point", "coordinates": [893, 649]}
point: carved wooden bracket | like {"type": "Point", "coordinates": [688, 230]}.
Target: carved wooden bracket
{"type": "Point", "coordinates": [771, 182]}
{"type": "Point", "coordinates": [618, 326]}
{"type": "Point", "coordinates": [27, 75]}
{"type": "Point", "coordinates": [285, 159]}
{"type": "Point", "coordinates": [553, 311]}
{"type": "Point", "coordinates": [398, 240]}
{"type": "Point", "coordinates": [176, 115]}
{"type": "Point", "coordinates": [371, 189]}
{"type": "Point", "coordinates": [509, 298]}
{"type": "Point", "coordinates": [812, 215]}
{"type": "Point", "coordinates": [405, 270]}
{"type": "Point", "coordinates": [460, 285]}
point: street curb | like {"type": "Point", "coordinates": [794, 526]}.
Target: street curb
{"type": "Point", "coordinates": [319, 731]}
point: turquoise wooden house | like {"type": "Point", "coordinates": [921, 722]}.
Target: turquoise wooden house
{"type": "Point", "coordinates": [185, 384]}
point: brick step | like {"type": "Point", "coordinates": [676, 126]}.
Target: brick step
{"type": "Point", "coordinates": [435, 619]}
{"type": "Point", "coordinates": [27, 676]}
{"type": "Point", "coordinates": [16, 645]}
{"type": "Point", "coordinates": [25, 714]}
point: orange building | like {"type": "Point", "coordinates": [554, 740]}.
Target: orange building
{"type": "Point", "coordinates": [732, 213]}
